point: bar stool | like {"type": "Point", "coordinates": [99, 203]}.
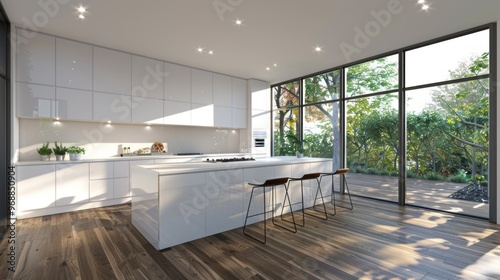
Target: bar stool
{"type": "Point", "coordinates": [268, 183]}
{"type": "Point", "coordinates": [309, 176]}
{"type": "Point", "coordinates": [341, 172]}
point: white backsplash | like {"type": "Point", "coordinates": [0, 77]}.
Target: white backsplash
{"type": "Point", "coordinates": [103, 140]}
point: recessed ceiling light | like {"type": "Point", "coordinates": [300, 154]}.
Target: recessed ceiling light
{"type": "Point", "coordinates": [238, 22]}
{"type": "Point", "coordinates": [81, 9]}
{"type": "Point", "coordinates": [267, 68]}
{"type": "Point", "coordinates": [421, 1]}
{"type": "Point", "coordinates": [425, 7]}
{"type": "Point", "coordinates": [200, 50]}
{"type": "Point", "coordinates": [81, 16]}
{"type": "Point", "coordinates": [275, 65]}
{"type": "Point", "coordinates": [211, 52]}
{"type": "Point", "coordinates": [317, 49]}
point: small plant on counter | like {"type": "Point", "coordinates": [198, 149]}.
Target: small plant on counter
{"type": "Point", "coordinates": [75, 152]}
{"type": "Point", "coordinates": [60, 151]}
{"type": "Point", "coordinates": [44, 152]}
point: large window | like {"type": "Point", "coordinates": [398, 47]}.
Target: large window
{"type": "Point", "coordinates": [424, 141]}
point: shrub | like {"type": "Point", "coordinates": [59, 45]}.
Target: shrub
{"type": "Point", "coordinates": [434, 176]}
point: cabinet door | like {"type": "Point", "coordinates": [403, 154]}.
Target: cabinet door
{"type": "Point", "coordinates": [112, 71]}
{"type": "Point", "coordinates": [35, 100]}
{"type": "Point", "coordinates": [121, 187]}
{"type": "Point", "coordinates": [146, 110]}
{"type": "Point", "coordinates": [201, 87]}
{"type": "Point", "coordinates": [147, 77]}
{"type": "Point", "coordinates": [239, 118]}
{"type": "Point", "coordinates": [36, 58]}
{"type": "Point", "coordinates": [101, 189]}
{"type": "Point", "coordinates": [202, 115]}
{"type": "Point", "coordinates": [74, 104]}
{"type": "Point", "coordinates": [73, 64]}
{"type": "Point", "coordinates": [182, 219]}
{"type": "Point", "coordinates": [177, 82]}
{"type": "Point", "coordinates": [222, 116]}
{"type": "Point", "coordinates": [121, 169]}
{"type": "Point", "coordinates": [176, 112]}
{"type": "Point", "coordinates": [72, 183]}
{"type": "Point", "coordinates": [112, 107]}
{"type": "Point", "coordinates": [101, 170]}
{"type": "Point", "coordinates": [224, 191]}
{"type": "Point", "coordinates": [239, 93]}
{"type": "Point", "coordinates": [36, 187]}
{"type": "Point", "coordinates": [222, 90]}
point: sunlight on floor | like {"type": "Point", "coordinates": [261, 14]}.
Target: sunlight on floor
{"type": "Point", "coordinates": [429, 220]}
{"type": "Point", "coordinates": [475, 237]}
{"type": "Point", "coordinates": [488, 264]}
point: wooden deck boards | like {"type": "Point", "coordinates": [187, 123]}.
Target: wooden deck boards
{"type": "Point", "coordinates": [376, 240]}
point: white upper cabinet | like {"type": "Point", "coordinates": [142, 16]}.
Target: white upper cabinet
{"type": "Point", "coordinates": [239, 118]}
{"type": "Point", "coordinates": [36, 58]}
{"type": "Point", "coordinates": [146, 110]}
{"type": "Point", "coordinates": [239, 93]}
{"type": "Point", "coordinates": [147, 77]}
{"type": "Point", "coordinates": [112, 107]}
{"type": "Point", "coordinates": [73, 64]}
{"type": "Point", "coordinates": [35, 101]}
{"type": "Point", "coordinates": [112, 71]}
{"type": "Point", "coordinates": [222, 116]}
{"type": "Point", "coordinates": [202, 115]}
{"type": "Point", "coordinates": [73, 104]}
{"type": "Point", "coordinates": [222, 90]}
{"type": "Point", "coordinates": [201, 87]}
{"type": "Point", "coordinates": [177, 82]}
{"type": "Point", "coordinates": [176, 112]}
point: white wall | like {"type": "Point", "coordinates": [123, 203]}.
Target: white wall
{"type": "Point", "coordinates": [498, 126]}
{"type": "Point", "coordinates": [102, 140]}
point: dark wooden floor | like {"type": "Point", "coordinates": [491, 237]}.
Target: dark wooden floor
{"type": "Point", "coordinates": [376, 240]}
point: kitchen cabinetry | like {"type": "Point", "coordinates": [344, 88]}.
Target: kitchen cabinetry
{"type": "Point", "coordinates": [73, 104]}
{"type": "Point", "coordinates": [147, 110]}
{"type": "Point", "coordinates": [202, 114]}
{"type": "Point", "coordinates": [239, 93]}
{"type": "Point", "coordinates": [201, 87]}
{"type": "Point", "coordinates": [36, 187]}
{"type": "Point", "coordinates": [112, 107]}
{"type": "Point", "coordinates": [177, 112]}
{"type": "Point", "coordinates": [121, 181]}
{"type": "Point", "coordinates": [73, 64]}
{"type": "Point", "coordinates": [222, 90]}
{"type": "Point", "coordinates": [183, 220]}
{"type": "Point", "coordinates": [147, 77]}
{"type": "Point", "coordinates": [72, 183]}
{"type": "Point", "coordinates": [222, 116]}
{"type": "Point", "coordinates": [224, 200]}
{"type": "Point", "coordinates": [36, 58]}
{"type": "Point", "coordinates": [35, 101]}
{"type": "Point", "coordinates": [239, 118]}
{"type": "Point", "coordinates": [112, 71]}
{"type": "Point", "coordinates": [101, 180]}
{"type": "Point", "coordinates": [177, 82]}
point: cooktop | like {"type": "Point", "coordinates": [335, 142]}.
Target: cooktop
{"type": "Point", "coordinates": [229, 159]}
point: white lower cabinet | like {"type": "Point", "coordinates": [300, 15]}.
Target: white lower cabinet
{"type": "Point", "coordinates": [183, 208]}
{"type": "Point", "coordinates": [72, 183]}
{"type": "Point", "coordinates": [121, 187]}
{"type": "Point", "coordinates": [101, 189]}
{"type": "Point", "coordinates": [36, 187]}
{"type": "Point", "coordinates": [224, 200]}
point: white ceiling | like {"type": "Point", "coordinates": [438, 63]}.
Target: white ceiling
{"type": "Point", "coordinates": [284, 32]}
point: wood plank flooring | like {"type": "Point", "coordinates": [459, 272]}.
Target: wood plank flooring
{"type": "Point", "coordinates": [376, 240]}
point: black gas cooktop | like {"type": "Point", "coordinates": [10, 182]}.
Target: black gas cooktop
{"type": "Point", "coordinates": [188, 154]}
{"type": "Point", "coordinates": [230, 159]}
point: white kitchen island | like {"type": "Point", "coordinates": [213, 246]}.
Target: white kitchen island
{"type": "Point", "coordinates": [177, 203]}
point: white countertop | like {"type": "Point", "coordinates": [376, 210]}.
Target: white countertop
{"type": "Point", "coordinates": [204, 166]}
{"type": "Point", "coordinates": [190, 158]}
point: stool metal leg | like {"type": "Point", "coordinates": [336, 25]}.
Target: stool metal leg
{"type": "Point", "coordinates": [346, 188]}
{"type": "Point", "coordinates": [318, 190]}
{"type": "Point", "coordinates": [293, 218]}
{"type": "Point", "coordinates": [264, 213]}
{"type": "Point", "coordinates": [332, 196]}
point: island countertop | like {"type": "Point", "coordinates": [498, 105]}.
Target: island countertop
{"type": "Point", "coordinates": [206, 166]}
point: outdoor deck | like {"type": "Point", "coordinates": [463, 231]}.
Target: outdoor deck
{"type": "Point", "coordinates": [425, 193]}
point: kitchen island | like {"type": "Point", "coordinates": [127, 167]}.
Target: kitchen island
{"type": "Point", "coordinates": [177, 203]}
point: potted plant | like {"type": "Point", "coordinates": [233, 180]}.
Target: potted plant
{"type": "Point", "coordinates": [44, 152]}
{"type": "Point", "coordinates": [299, 144]}
{"type": "Point", "coordinates": [60, 151]}
{"type": "Point", "coordinates": [75, 152]}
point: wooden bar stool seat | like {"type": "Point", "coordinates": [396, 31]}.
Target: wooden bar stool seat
{"type": "Point", "coordinates": [272, 183]}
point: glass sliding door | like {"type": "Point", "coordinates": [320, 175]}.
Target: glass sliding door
{"type": "Point", "coordinates": [286, 119]}
{"type": "Point", "coordinates": [448, 125]}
